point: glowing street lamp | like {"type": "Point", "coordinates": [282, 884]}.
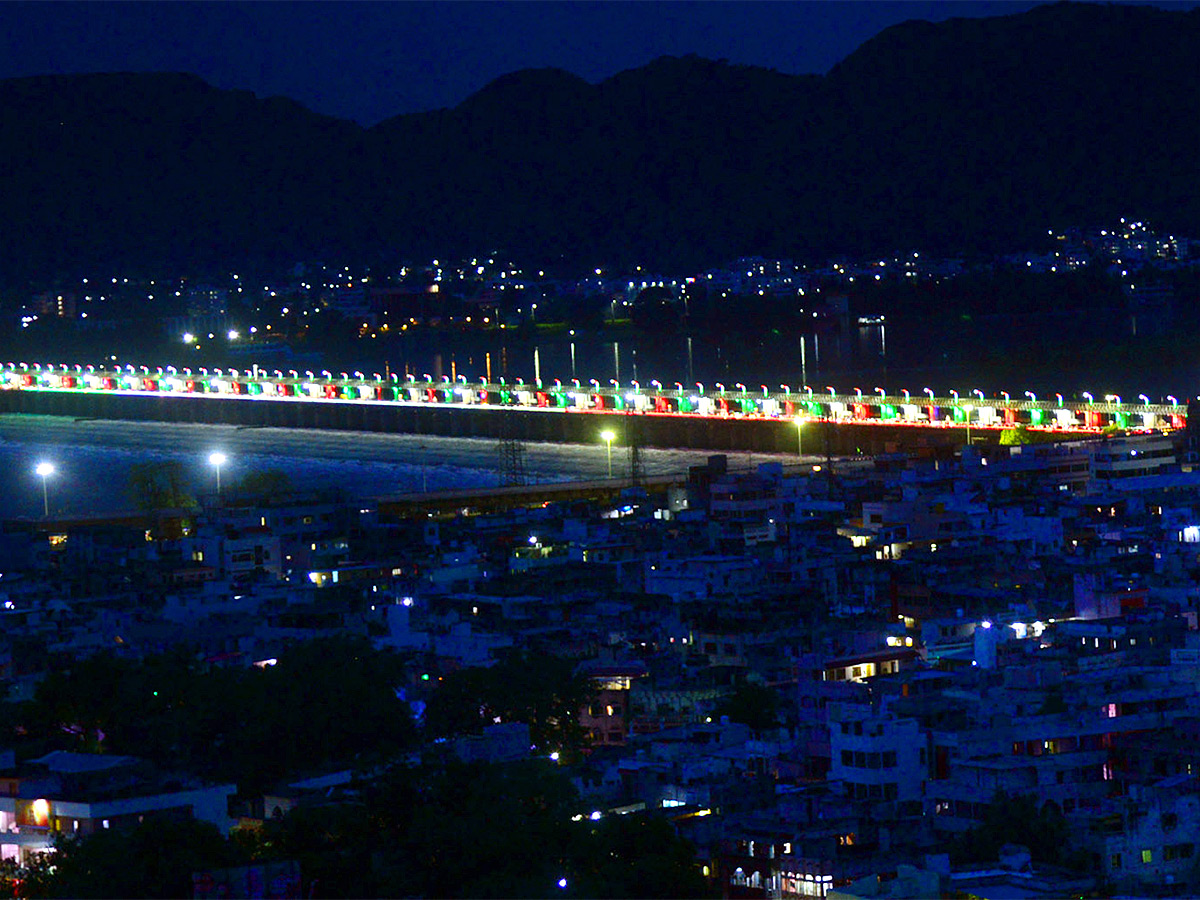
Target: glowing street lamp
{"type": "Point", "coordinates": [44, 470]}
{"type": "Point", "coordinates": [218, 459]}
{"type": "Point", "coordinates": [799, 436]}
{"type": "Point", "coordinates": [608, 439]}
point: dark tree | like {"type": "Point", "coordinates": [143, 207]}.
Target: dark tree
{"type": "Point", "coordinates": [751, 704]}
{"type": "Point", "coordinates": [542, 691]}
{"type": "Point", "coordinates": [155, 859]}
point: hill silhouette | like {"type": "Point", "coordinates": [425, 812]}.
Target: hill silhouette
{"type": "Point", "coordinates": [970, 134]}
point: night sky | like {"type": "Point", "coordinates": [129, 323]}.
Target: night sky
{"type": "Point", "coordinates": [369, 61]}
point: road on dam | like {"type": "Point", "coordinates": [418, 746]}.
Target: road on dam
{"type": "Point", "coordinates": [94, 458]}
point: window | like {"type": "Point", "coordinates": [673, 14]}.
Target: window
{"type": "Point", "coordinates": [847, 758]}
{"type": "Point", "coordinates": [1147, 856]}
{"type": "Point", "coordinates": [1115, 861]}
{"type": "Point", "coordinates": [889, 759]}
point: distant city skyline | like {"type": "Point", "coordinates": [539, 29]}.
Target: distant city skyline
{"type": "Point", "coordinates": [370, 61]}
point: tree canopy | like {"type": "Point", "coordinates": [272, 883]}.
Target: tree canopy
{"type": "Point", "coordinates": [541, 691]}
{"type": "Point", "coordinates": [325, 703]}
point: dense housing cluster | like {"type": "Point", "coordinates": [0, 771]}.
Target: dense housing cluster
{"type": "Point", "coordinates": [897, 668]}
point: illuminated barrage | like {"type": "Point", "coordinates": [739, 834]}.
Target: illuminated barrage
{"type": "Point", "coordinates": [802, 404]}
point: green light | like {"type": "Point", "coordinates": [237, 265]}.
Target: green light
{"type": "Point", "coordinates": [424, 676]}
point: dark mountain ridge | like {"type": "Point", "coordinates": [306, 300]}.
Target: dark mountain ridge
{"type": "Point", "coordinates": [967, 134]}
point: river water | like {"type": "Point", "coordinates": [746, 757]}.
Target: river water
{"type": "Point", "coordinates": [866, 355]}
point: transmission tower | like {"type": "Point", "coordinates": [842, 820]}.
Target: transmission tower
{"type": "Point", "coordinates": [633, 438]}
{"type": "Point", "coordinates": [511, 450]}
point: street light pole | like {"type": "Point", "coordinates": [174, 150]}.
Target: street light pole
{"type": "Point", "coordinates": [608, 439]}
{"type": "Point", "coordinates": [45, 470]}
{"type": "Point", "coordinates": [218, 459]}
{"type": "Point", "coordinates": [799, 436]}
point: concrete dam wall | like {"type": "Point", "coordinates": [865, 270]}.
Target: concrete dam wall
{"type": "Point", "coordinates": [716, 433]}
